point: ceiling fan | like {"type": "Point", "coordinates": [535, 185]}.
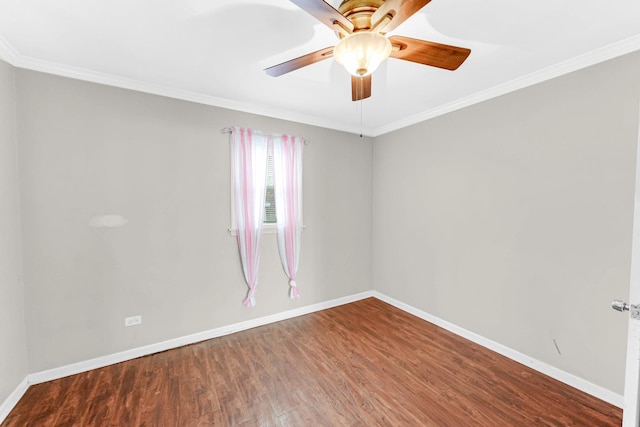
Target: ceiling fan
{"type": "Point", "coordinates": [361, 26]}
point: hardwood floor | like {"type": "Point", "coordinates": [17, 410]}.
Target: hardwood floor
{"type": "Point", "coordinates": [361, 364]}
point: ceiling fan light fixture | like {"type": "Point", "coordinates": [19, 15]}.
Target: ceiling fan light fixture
{"type": "Point", "coordinates": [361, 53]}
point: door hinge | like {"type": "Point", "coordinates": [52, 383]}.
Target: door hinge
{"type": "Point", "coordinates": [633, 309]}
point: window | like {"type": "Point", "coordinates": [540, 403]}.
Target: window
{"type": "Point", "coordinates": [270, 200]}
{"type": "Point", "coordinates": [270, 218]}
{"type": "Point", "coordinates": [262, 165]}
{"type": "Point", "coordinates": [264, 174]}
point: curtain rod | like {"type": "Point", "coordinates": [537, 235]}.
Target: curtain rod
{"type": "Point", "coordinates": [230, 130]}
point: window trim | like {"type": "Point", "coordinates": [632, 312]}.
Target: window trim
{"type": "Point", "coordinates": [267, 227]}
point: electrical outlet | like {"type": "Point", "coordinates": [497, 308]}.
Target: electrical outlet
{"type": "Point", "coordinates": [132, 321]}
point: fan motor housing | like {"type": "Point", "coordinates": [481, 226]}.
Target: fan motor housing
{"type": "Point", "coordinates": [359, 12]}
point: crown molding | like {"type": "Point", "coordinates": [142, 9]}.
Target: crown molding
{"type": "Point", "coordinates": [7, 52]}
{"type": "Point", "coordinates": [48, 67]}
{"type": "Point", "coordinates": [614, 50]}
{"type": "Point", "coordinates": [594, 57]}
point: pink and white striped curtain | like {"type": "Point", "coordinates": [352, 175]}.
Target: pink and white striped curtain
{"type": "Point", "coordinates": [249, 158]}
{"type": "Point", "coordinates": [287, 185]}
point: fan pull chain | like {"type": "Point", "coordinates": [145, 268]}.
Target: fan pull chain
{"type": "Point", "coordinates": [361, 94]}
{"type": "Point", "coordinates": [361, 127]}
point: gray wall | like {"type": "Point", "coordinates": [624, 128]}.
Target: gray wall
{"type": "Point", "coordinates": [513, 218]}
{"type": "Point", "coordinates": [13, 350]}
{"type": "Point", "coordinates": [87, 150]}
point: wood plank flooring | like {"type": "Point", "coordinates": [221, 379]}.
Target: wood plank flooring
{"type": "Point", "coordinates": [360, 364]}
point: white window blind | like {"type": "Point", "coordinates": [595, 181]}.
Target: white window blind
{"type": "Point", "coordinates": [270, 216]}
{"type": "Point", "coordinates": [270, 202]}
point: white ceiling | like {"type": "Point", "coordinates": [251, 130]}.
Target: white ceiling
{"type": "Point", "coordinates": [214, 52]}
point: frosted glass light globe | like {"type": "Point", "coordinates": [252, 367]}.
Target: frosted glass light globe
{"type": "Point", "coordinates": [361, 53]}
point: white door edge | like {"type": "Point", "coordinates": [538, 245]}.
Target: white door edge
{"type": "Point", "coordinates": [631, 410]}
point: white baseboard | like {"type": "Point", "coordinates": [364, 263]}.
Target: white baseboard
{"type": "Point", "coordinates": [99, 362]}
{"type": "Point", "coordinates": [12, 400]}
{"type": "Point", "coordinates": [558, 374]}
{"type": "Point", "coordinates": [102, 361]}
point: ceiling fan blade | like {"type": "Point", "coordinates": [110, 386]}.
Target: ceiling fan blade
{"type": "Point", "coordinates": [428, 53]}
{"type": "Point", "coordinates": [399, 10]}
{"type": "Point", "coordinates": [326, 14]}
{"type": "Point", "coordinates": [360, 87]}
{"type": "Point", "coordinates": [299, 62]}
